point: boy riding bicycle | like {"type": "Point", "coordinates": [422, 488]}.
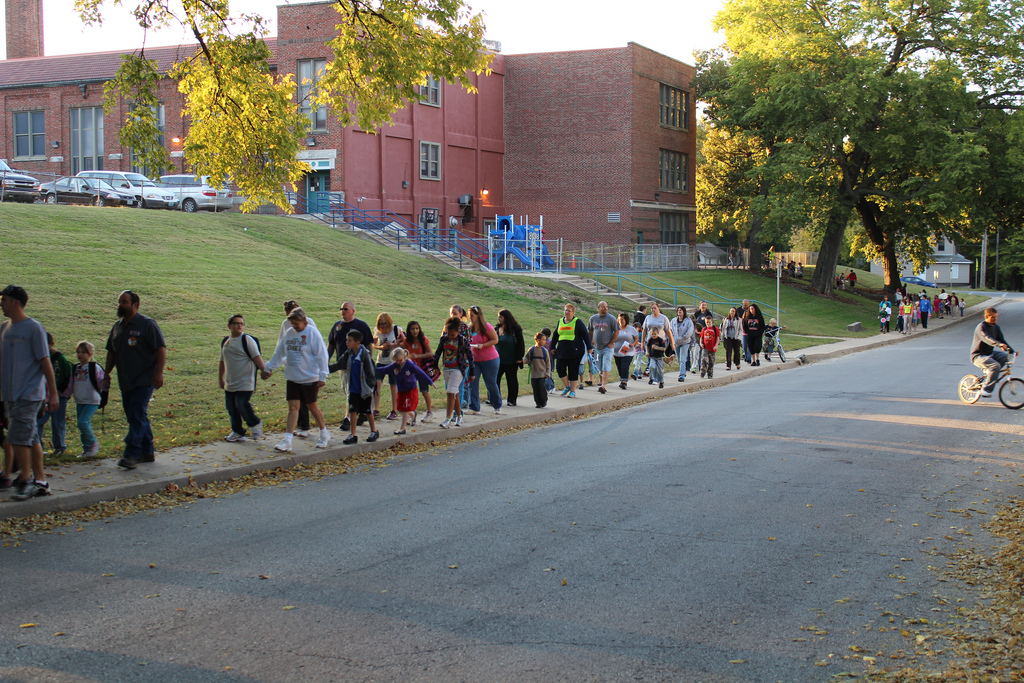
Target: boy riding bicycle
{"type": "Point", "coordinates": [984, 354]}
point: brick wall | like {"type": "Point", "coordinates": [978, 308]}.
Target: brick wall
{"type": "Point", "coordinates": [24, 28]}
{"type": "Point", "coordinates": [582, 140]}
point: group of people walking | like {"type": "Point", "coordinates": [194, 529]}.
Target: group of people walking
{"type": "Point", "coordinates": [914, 310]}
{"type": "Point", "coordinates": [37, 381]}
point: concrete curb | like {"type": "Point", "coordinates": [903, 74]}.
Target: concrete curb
{"type": "Point", "coordinates": [75, 500]}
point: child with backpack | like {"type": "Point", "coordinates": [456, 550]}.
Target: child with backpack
{"type": "Point", "coordinates": [239, 360]}
{"type": "Point", "coordinates": [86, 387]}
{"type": "Point", "coordinates": [62, 376]}
{"type": "Point", "coordinates": [709, 337]}
{"type": "Point", "coordinates": [656, 353]}
{"type": "Point", "coordinates": [407, 376]}
{"type": "Point", "coordinates": [538, 358]}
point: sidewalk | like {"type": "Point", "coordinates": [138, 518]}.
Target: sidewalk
{"type": "Point", "coordinates": [77, 485]}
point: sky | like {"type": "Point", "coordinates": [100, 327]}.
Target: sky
{"type": "Point", "coordinates": [674, 29]}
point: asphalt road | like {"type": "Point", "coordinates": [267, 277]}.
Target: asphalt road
{"type": "Point", "coordinates": [752, 532]}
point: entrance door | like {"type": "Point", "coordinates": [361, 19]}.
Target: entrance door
{"type": "Point", "coordinates": [318, 192]}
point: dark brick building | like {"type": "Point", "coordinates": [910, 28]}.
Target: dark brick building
{"type": "Point", "coordinates": [602, 143]}
{"type": "Point", "coordinates": [586, 132]}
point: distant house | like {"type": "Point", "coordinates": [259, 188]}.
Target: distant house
{"type": "Point", "coordinates": [947, 268]}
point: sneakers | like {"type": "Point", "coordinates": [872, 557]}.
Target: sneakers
{"type": "Point", "coordinates": [565, 391]}
{"type": "Point", "coordinates": [234, 436]}
{"type": "Point", "coordinates": [323, 442]}
{"type": "Point", "coordinates": [128, 463]}
{"type": "Point", "coordinates": [682, 378]}
{"type": "Point", "coordinates": [285, 446]}
{"type": "Point", "coordinates": [458, 420]}
{"type": "Point", "coordinates": [986, 394]}
{"type": "Point", "coordinates": [361, 420]}
{"type": "Point", "coordinates": [413, 423]}
{"type": "Point", "coordinates": [257, 432]}
{"type": "Point", "coordinates": [301, 433]}
{"type": "Point", "coordinates": [497, 411]}
{"type": "Point", "coordinates": [90, 451]}
{"type": "Point", "coordinates": [399, 432]}
{"type": "Point", "coordinates": [31, 489]}
{"type": "Point", "coordinates": [350, 439]}
{"type": "Point", "coordinates": [622, 385]}
{"type": "Point", "coordinates": [572, 394]}
{"type": "Point", "coordinates": [372, 437]}
{"type": "Point", "coordinates": [702, 375]}
{"type": "Point", "coordinates": [345, 425]}
{"type": "Point", "coordinates": [427, 417]}
{"type": "Point", "coordinates": [5, 482]}
{"type": "Point", "coordinates": [661, 385]}
{"type": "Point", "coordinates": [602, 390]}
{"type": "Point", "coordinates": [590, 382]}
{"type": "Point", "coordinates": [446, 423]}
{"type": "Point", "coordinates": [392, 416]}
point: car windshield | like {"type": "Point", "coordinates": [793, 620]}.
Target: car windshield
{"type": "Point", "coordinates": [136, 178]}
{"type": "Point", "coordinates": [4, 166]}
{"type": "Point", "coordinates": [97, 184]}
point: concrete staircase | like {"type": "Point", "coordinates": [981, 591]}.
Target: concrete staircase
{"type": "Point", "coordinates": [594, 287]}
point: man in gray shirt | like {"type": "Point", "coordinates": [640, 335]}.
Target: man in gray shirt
{"type": "Point", "coordinates": [26, 382]}
{"type": "Point", "coordinates": [603, 327]}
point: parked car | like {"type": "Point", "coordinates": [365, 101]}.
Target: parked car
{"type": "Point", "coordinates": [84, 191]}
{"type": "Point", "coordinates": [196, 194]}
{"type": "Point", "coordinates": [148, 194]}
{"type": "Point", "coordinates": [920, 281]}
{"type": "Point", "coordinates": [16, 187]}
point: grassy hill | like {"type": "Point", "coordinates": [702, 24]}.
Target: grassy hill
{"type": "Point", "coordinates": [193, 271]}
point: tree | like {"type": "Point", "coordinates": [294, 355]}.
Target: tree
{"type": "Point", "coordinates": [869, 109]}
{"type": "Point", "coordinates": [381, 51]}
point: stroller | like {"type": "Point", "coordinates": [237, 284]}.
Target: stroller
{"type": "Point", "coordinates": [772, 343]}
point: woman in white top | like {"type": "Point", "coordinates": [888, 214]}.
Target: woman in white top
{"type": "Point", "coordinates": [626, 342]}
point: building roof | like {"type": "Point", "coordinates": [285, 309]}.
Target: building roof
{"type": "Point", "coordinates": [91, 67]}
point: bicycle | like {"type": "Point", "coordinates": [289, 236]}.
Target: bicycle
{"type": "Point", "coordinates": [1011, 391]}
{"type": "Point", "coordinates": [773, 344]}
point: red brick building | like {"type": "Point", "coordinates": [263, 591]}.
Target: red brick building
{"type": "Point", "coordinates": [602, 143]}
{"type": "Point", "coordinates": [585, 132]}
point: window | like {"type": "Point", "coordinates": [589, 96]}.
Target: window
{"type": "Point", "coordinates": [141, 168]}
{"type": "Point", "coordinates": [430, 160]}
{"type": "Point", "coordinates": [86, 139]}
{"type": "Point", "coordinates": [29, 134]}
{"type": "Point", "coordinates": [310, 71]}
{"type": "Point", "coordinates": [430, 92]}
{"type": "Point", "coordinates": [674, 171]}
{"type": "Point", "coordinates": [674, 107]}
{"type": "Point", "coordinates": [675, 228]}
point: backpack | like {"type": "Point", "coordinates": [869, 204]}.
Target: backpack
{"type": "Point", "coordinates": [245, 347]}
{"type": "Point", "coordinates": [61, 370]}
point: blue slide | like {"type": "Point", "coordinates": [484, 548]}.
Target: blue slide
{"type": "Point", "coordinates": [524, 259]}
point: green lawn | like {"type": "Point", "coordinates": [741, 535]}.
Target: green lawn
{"type": "Point", "coordinates": [193, 271]}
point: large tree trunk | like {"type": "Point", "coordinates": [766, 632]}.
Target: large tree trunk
{"type": "Point", "coordinates": [828, 253]}
{"type": "Point", "coordinates": [756, 225]}
{"type": "Point", "coordinates": [871, 219]}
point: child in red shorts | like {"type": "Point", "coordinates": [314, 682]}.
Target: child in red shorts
{"type": "Point", "coordinates": [407, 376]}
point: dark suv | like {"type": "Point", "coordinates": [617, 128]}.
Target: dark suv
{"type": "Point", "coordinates": [17, 187]}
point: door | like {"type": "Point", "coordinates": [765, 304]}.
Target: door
{"type": "Point", "coordinates": [318, 192]}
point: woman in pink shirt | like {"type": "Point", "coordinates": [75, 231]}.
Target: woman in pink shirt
{"type": "Point", "coordinates": [485, 357]}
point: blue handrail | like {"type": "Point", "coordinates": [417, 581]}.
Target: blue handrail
{"type": "Point", "coordinates": [394, 229]}
{"type": "Point", "coordinates": [660, 290]}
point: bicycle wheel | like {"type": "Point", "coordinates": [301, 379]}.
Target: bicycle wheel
{"type": "Point", "coordinates": [970, 389]}
{"type": "Point", "coordinates": [782, 354]}
{"type": "Point", "coordinates": [1011, 393]}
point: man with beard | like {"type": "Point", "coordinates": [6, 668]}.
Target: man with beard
{"type": "Point", "coordinates": [136, 349]}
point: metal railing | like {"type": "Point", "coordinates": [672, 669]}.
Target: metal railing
{"type": "Point", "coordinates": [661, 291]}
{"type": "Point", "coordinates": [393, 229]}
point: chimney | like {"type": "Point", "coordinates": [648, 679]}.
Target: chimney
{"type": "Point", "coordinates": [24, 28]}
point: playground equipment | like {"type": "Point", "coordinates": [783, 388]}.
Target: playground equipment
{"type": "Point", "coordinates": [510, 243]}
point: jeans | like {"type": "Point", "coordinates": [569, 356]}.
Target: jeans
{"type": "Point", "coordinates": [683, 357]}
{"type": "Point", "coordinates": [991, 365]}
{"type": "Point", "coordinates": [622, 364]}
{"type": "Point", "coordinates": [58, 424]}
{"type": "Point", "coordinates": [746, 350]}
{"type": "Point", "coordinates": [138, 442]}
{"type": "Point", "coordinates": [657, 370]}
{"type": "Point", "coordinates": [488, 369]}
{"type": "Point", "coordinates": [540, 392]}
{"type": "Point", "coordinates": [84, 414]}
{"type": "Point", "coordinates": [239, 410]}
{"type": "Point", "coordinates": [638, 370]}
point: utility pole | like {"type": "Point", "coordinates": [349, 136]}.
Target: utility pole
{"type": "Point", "coordinates": [982, 274]}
